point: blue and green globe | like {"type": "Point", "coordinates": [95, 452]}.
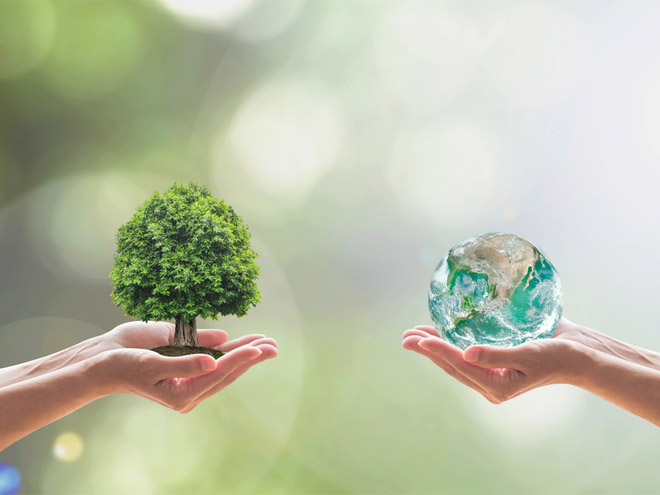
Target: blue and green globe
{"type": "Point", "coordinates": [496, 289]}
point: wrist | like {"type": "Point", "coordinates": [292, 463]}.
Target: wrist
{"type": "Point", "coordinates": [99, 371]}
{"type": "Point", "coordinates": [579, 363]}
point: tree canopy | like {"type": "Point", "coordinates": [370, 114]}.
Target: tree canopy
{"type": "Point", "coordinates": [184, 253]}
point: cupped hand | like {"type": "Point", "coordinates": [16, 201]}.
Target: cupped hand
{"type": "Point", "coordinates": [179, 383]}
{"type": "Point", "coordinates": [499, 373]}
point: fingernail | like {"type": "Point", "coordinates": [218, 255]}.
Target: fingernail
{"type": "Point", "coordinates": [472, 356]}
{"type": "Point", "coordinates": [208, 365]}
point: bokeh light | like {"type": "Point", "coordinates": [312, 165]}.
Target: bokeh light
{"type": "Point", "coordinates": [74, 222]}
{"type": "Point", "coordinates": [98, 45]}
{"type": "Point", "coordinates": [424, 55]}
{"type": "Point", "coordinates": [27, 30]}
{"type": "Point", "coordinates": [268, 19]}
{"type": "Point", "coordinates": [10, 479]}
{"type": "Point", "coordinates": [530, 418]}
{"type": "Point", "coordinates": [451, 174]}
{"type": "Point", "coordinates": [208, 13]}
{"type": "Point", "coordinates": [536, 53]}
{"type": "Point", "coordinates": [287, 135]}
{"type": "Point", "coordinates": [68, 446]}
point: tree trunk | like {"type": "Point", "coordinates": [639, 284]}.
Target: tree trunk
{"type": "Point", "coordinates": [185, 332]}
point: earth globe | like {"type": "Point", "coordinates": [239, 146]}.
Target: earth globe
{"type": "Point", "coordinates": [497, 289]}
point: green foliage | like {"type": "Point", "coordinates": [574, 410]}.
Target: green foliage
{"type": "Point", "coordinates": [185, 253]}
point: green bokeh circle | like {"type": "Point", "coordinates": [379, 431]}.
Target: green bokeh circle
{"type": "Point", "coordinates": [97, 46]}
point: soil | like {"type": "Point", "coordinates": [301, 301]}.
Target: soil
{"type": "Point", "coordinates": [184, 350]}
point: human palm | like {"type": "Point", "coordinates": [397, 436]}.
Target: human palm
{"type": "Point", "coordinates": [141, 335]}
{"type": "Point", "coordinates": [498, 373]}
{"type": "Point", "coordinates": [180, 383]}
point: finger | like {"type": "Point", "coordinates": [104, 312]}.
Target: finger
{"type": "Point", "coordinates": [415, 332]}
{"type": "Point", "coordinates": [412, 343]}
{"type": "Point", "coordinates": [241, 341]}
{"type": "Point", "coordinates": [185, 366]}
{"type": "Point", "coordinates": [428, 329]}
{"type": "Point", "coordinates": [267, 352]}
{"type": "Point", "coordinates": [501, 383]}
{"type": "Point", "coordinates": [487, 356]}
{"type": "Point", "coordinates": [454, 356]}
{"type": "Point", "coordinates": [265, 340]}
{"type": "Point", "coordinates": [211, 338]}
{"type": "Point", "coordinates": [225, 366]}
{"type": "Point", "coordinates": [165, 328]}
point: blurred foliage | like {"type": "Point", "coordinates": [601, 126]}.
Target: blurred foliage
{"type": "Point", "coordinates": [359, 140]}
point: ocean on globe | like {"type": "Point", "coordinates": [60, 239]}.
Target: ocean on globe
{"type": "Point", "coordinates": [496, 289]}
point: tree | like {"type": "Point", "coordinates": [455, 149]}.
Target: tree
{"type": "Point", "coordinates": [184, 254]}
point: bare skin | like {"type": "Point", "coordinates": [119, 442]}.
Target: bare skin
{"type": "Point", "coordinates": [623, 374]}
{"type": "Point", "coordinates": [38, 392]}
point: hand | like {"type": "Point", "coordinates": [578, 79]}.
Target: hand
{"type": "Point", "coordinates": [41, 391]}
{"type": "Point", "coordinates": [499, 373]}
{"type": "Point", "coordinates": [179, 383]}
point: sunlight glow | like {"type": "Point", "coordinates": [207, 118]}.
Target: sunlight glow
{"type": "Point", "coordinates": [451, 174]}
{"type": "Point", "coordinates": [74, 222]}
{"type": "Point", "coordinates": [531, 417]}
{"type": "Point", "coordinates": [268, 19]}
{"type": "Point", "coordinates": [208, 13]}
{"type": "Point", "coordinates": [287, 135]}
{"type": "Point", "coordinates": [425, 54]}
{"type": "Point", "coordinates": [68, 446]}
{"type": "Point", "coordinates": [534, 58]}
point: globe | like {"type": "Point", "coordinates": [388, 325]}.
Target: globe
{"type": "Point", "coordinates": [496, 289]}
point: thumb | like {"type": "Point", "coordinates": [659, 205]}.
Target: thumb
{"type": "Point", "coordinates": [186, 366]}
{"type": "Point", "coordinates": [486, 356]}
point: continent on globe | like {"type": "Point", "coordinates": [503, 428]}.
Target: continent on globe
{"type": "Point", "coordinates": [496, 289]}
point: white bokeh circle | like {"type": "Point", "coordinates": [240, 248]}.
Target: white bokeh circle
{"type": "Point", "coordinates": [208, 13]}
{"type": "Point", "coordinates": [529, 418]}
{"type": "Point", "coordinates": [287, 135]}
{"type": "Point", "coordinates": [268, 19]}
{"type": "Point", "coordinates": [536, 53]}
{"type": "Point", "coordinates": [425, 54]}
{"type": "Point", "coordinates": [68, 446]}
{"type": "Point", "coordinates": [73, 221]}
{"type": "Point", "coordinates": [452, 174]}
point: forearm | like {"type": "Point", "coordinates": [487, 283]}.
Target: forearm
{"type": "Point", "coordinates": [38, 367]}
{"type": "Point", "coordinates": [631, 386]}
{"type": "Point", "coordinates": [28, 405]}
{"type": "Point", "coordinates": [609, 345]}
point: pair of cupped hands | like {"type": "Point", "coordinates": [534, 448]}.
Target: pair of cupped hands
{"type": "Point", "coordinates": [184, 382]}
{"type": "Point", "coordinates": [498, 373]}
{"type": "Point", "coordinates": [179, 383]}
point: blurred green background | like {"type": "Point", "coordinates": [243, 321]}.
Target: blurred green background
{"type": "Point", "coordinates": [359, 140]}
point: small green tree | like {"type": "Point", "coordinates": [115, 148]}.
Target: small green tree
{"type": "Point", "coordinates": [184, 254]}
